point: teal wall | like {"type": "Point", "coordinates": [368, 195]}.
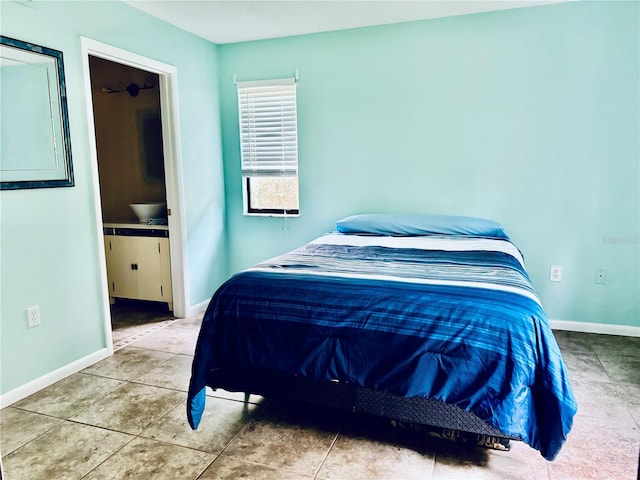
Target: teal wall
{"type": "Point", "coordinates": [48, 241]}
{"type": "Point", "coordinates": [527, 116]}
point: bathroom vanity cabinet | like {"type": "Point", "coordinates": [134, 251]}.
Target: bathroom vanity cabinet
{"type": "Point", "coordinates": [138, 262]}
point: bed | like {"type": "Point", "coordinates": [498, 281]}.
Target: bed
{"type": "Point", "coordinates": [428, 320]}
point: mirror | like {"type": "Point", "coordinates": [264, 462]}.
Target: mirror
{"type": "Point", "coordinates": [35, 147]}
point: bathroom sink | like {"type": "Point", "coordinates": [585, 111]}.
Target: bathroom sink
{"type": "Point", "coordinates": [147, 211]}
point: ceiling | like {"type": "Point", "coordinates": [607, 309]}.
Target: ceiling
{"type": "Point", "coordinates": [230, 21]}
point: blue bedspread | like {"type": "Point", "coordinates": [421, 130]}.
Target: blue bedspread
{"type": "Point", "coordinates": [455, 320]}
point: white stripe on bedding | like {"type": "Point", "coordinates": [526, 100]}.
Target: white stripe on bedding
{"type": "Point", "coordinates": [424, 281]}
{"type": "Point", "coordinates": [451, 244]}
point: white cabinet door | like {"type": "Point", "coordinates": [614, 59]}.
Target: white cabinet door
{"type": "Point", "coordinates": [139, 268]}
{"type": "Point", "coordinates": [148, 267]}
{"type": "Point", "coordinates": [121, 258]}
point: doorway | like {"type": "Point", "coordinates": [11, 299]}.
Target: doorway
{"type": "Point", "coordinates": [128, 132]}
{"type": "Point", "coordinates": [161, 78]}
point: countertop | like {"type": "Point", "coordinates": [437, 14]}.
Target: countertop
{"type": "Point", "coordinates": [134, 224]}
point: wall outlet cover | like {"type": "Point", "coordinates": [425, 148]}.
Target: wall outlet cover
{"type": "Point", "coordinates": [33, 316]}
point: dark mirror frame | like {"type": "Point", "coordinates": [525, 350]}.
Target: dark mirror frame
{"type": "Point", "coordinates": [65, 162]}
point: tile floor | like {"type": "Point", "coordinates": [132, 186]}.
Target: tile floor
{"type": "Point", "coordinates": [124, 417]}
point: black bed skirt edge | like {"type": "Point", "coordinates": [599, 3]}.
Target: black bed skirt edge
{"type": "Point", "coordinates": [447, 421]}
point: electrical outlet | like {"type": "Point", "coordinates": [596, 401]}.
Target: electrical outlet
{"type": "Point", "coordinates": [601, 275]}
{"type": "Point", "coordinates": [33, 316]}
{"type": "Point", "coordinates": [556, 273]}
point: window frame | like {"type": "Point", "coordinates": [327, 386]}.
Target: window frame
{"type": "Point", "coordinates": [273, 153]}
{"type": "Point", "coordinates": [267, 211]}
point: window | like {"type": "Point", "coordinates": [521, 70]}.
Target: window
{"type": "Point", "coordinates": [269, 146]}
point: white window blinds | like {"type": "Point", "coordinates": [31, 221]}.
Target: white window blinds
{"type": "Point", "coordinates": [268, 128]}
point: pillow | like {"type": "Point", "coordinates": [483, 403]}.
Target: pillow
{"type": "Point", "coordinates": [408, 224]}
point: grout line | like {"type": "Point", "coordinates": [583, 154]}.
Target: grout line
{"type": "Point", "coordinates": [115, 452]}
{"type": "Point", "coordinates": [173, 389]}
{"type": "Point", "coordinates": [267, 466]}
{"type": "Point", "coordinates": [215, 457]}
{"type": "Point", "coordinates": [326, 455]}
{"type": "Point", "coordinates": [134, 338]}
{"type": "Point", "coordinates": [61, 420]}
{"type": "Point", "coordinates": [259, 410]}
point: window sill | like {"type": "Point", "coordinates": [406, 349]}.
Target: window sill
{"type": "Point", "coordinates": [281, 215]}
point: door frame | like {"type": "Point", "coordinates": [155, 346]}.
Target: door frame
{"type": "Point", "coordinates": [172, 167]}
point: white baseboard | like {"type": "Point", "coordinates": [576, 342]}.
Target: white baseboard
{"type": "Point", "coordinates": [197, 308]}
{"type": "Point", "coordinates": [50, 378]}
{"type": "Point", "coordinates": [602, 328]}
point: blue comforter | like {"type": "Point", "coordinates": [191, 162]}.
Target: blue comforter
{"type": "Point", "coordinates": [451, 319]}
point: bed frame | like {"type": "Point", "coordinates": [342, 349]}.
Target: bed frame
{"type": "Point", "coordinates": [434, 417]}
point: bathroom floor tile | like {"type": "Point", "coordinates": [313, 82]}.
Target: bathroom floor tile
{"type": "Point", "coordinates": [67, 397]}
{"type": "Point", "coordinates": [131, 408]}
{"type": "Point", "coordinates": [128, 363]}
{"type": "Point", "coordinates": [629, 393]}
{"type": "Point", "coordinates": [573, 342]}
{"type": "Point", "coordinates": [456, 462]}
{"type": "Point", "coordinates": [128, 336]}
{"type": "Point", "coordinates": [584, 367]}
{"type": "Point", "coordinates": [595, 450]}
{"type": "Point", "coordinates": [145, 328]}
{"type": "Point", "coordinates": [18, 427]}
{"type": "Point", "coordinates": [384, 454]}
{"type": "Point", "coordinates": [282, 439]}
{"type": "Point", "coordinates": [174, 373]}
{"type": "Point", "coordinates": [604, 400]}
{"type": "Point", "coordinates": [169, 339]}
{"type": "Point", "coordinates": [118, 336]}
{"type": "Point", "coordinates": [221, 421]}
{"type": "Point", "coordinates": [149, 459]}
{"type": "Point", "coordinates": [68, 451]}
{"type": "Point", "coordinates": [612, 346]}
{"type": "Point", "coordinates": [192, 323]}
{"type": "Point", "coordinates": [623, 370]}
{"type": "Point", "coordinates": [227, 468]}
